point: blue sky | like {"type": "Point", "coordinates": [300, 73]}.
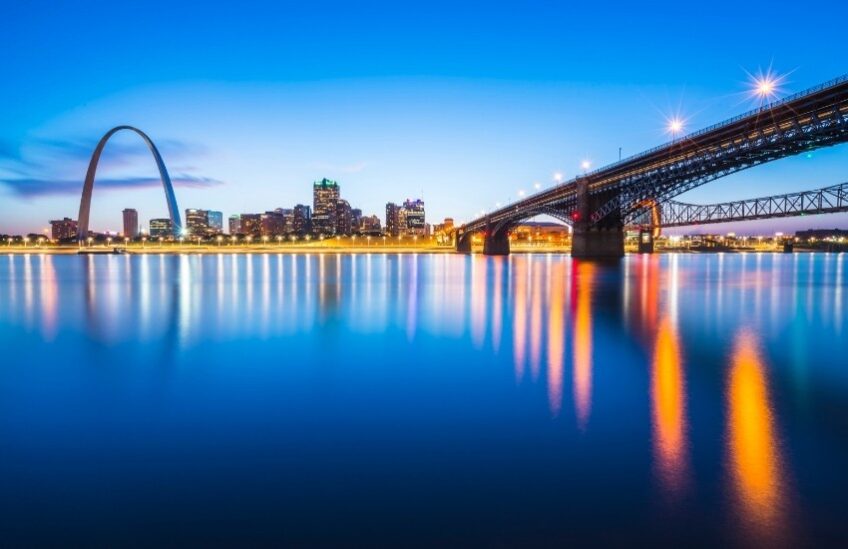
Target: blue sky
{"type": "Point", "coordinates": [465, 104]}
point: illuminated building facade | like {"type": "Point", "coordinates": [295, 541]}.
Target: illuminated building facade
{"type": "Point", "coordinates": [130, 223]}
{"type": "Point", "coordinates": [325, 195]}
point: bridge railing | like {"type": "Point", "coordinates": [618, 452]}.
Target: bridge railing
{"type": "Point", "coordinates": [771, 106]}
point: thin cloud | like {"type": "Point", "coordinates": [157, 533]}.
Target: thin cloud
{"type": "Point", "coordinates": [34, 187]}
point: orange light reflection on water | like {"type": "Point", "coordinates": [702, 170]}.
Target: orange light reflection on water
{"type": "Point", "coordinates": [753, 451]}
{"type": "Point", "coordinates": [583, 343]}
{"type": "Point", "coordinates": [556, 337]}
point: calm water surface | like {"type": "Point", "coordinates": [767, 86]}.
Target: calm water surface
{"type": "Point", "coordinates": [361, 399]}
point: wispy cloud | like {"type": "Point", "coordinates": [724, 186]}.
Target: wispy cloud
{"type": "Point", "coordinates": [45, 167]}
{"type": "Point", "coordinates": [33, 187]}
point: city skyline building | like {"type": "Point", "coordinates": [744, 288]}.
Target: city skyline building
{"type": "Point", "coordinates": [234, 225]}
{"type": "Point", "coordinates": [272, 224]}
{"type": "Point", "coordinates": [251, 224]}
{"type": "Point", "coordinates": [215, 221]}
{"type": "Point", "coordinates": [64, 229]}
{"type": "Point", "coordinates": [344, 218]}
{"type": "Point", "coordinates": [392, 219]}
{"type": "Point", "coordinates": [302, 220]}
{"type": "Point", "coordinates": [161, 228]}
{"type": "Point", "coordinates": [325, 195]}
{"type": "Point", "coordinates": [416, 223]}
{"type": "Point", "coordinates": [130, 222]}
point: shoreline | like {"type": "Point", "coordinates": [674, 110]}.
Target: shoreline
{"type": "Point", "coordinates": [307, 250]}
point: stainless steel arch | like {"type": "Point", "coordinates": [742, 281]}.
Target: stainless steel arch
{"type": "Point", "coordinates": [88, 186]}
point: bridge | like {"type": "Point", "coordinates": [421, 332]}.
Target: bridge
{"type": "Point", "coordinates": [598, 204]}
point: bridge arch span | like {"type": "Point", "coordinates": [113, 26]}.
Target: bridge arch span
{"type": "Point", "coordinates": [88, 186]}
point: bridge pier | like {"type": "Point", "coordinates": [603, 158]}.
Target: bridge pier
{"type": "Point", "coordinates": [496, 243]}
{"type": "Point", "coordinates": [603, 240]}
{"type": "Point", "coordinates": [646, 241]}
{"type": "Point", "coordinates": [463, 244]}
{"type": "Point", "coordinates": [788, 246]}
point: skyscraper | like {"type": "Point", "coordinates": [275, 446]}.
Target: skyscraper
{"type": "Point", "coordinates": [197, 222]}
{"type": "Point", "coordinates": [344, 218]}
{"type": "Point", "coordinates": [392, 222]}
{"type": "Point", "coordinates": [130, 223]}
{"type": "Point", "coordinates": [235, 224]}
{"type": "Point", "coordinates": [325, 194]}
{"type": "Point", "coordinates": [302, 221]}
{"type": "Point", "coordinates": [415, 219]}
{"type": "Point", "coordinates": [215, 221]}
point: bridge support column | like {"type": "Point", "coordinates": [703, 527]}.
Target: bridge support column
{"type": "Point", "coordinates": [496, 243]}
{"type": "Point", "coordinates": [646, 241]}
{"type": "Point", "coordinates": [463, 244]}
{"type": "Point", "coordinates": [788, 246]}
{"type": "Point", "coordinates": [603, 240]}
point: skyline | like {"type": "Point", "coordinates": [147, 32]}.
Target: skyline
{"type": "Point", "coordinates": [244, 120]}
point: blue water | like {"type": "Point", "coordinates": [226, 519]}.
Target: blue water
{"type": "Point", "coordinates": [423, 399]}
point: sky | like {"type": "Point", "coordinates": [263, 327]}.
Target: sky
{"type": "Point", "coordinates": [461, 104]}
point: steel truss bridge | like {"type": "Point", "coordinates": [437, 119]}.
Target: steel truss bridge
{"type": "Point", "coordinates": [601, 202]}
{"type": "Point", "coordinates": [832, 199]}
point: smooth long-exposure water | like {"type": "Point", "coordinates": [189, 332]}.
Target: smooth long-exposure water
{"type": "Point", "coordinates": [362, 399]}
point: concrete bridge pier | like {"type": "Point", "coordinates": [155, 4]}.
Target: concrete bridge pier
{"type": "Point", "coordinates": [602, 240]}
{"type": "Point", "coordinates": [646, 241]}
{"type": "Point", "coordinates": [496, 243]}
{"type": "Point", "coordinates": [463, 244]}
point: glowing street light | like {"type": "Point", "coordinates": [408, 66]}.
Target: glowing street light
{"type": "Point", "coordinates": [537, 185]}
{"type": "Point", "coordinates": [521, 193]}
{"type": "Point", "coordinates": [675, 126]}
{"type": "Point", "coordinates": [585, 165]}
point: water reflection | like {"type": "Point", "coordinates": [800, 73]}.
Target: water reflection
{"type": "Point", "coordinates": [753, 448]}
{"type": "Point", "coordinates": [668, 399]}
{"type": "Point", "coordinates": [583, 279]}
{"type": "Point", "coordinates": [300, 355]}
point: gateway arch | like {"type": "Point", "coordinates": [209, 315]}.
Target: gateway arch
{"type": "Point", "coordinates": [88, 186]}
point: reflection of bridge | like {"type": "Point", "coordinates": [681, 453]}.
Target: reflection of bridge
{"type": "Point", "coordinates": [599, 204]}
{"type": "Point", "coordinates": [88, 186]}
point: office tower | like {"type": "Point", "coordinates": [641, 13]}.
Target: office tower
{"type": "Point", "coordinates": [392, 221]}
{"type": "Point", "coordinates": [415, 219]}
{"type": "Point", "coordinates": [215, 220]}
{"type": "Point", "coordinates": [302, 220]}
{"type": "Point", "coordinates": [272, 224]}
{"type": "Point", "coordinates": [64, 229]}
{"type": "Point", "coordinates": [235, 224]}
{"type": "Point", "coordinates": [161, 228]}
{"type": "Point", "coordinates": [325, 194]}
{"type": "Point", "coordinates": [356, 220]}
{"type": "Point", "coordinates": [344, 218]}
{"type": "Point", "coordinates": [251, 224]}
{"type": "Point", "coordinates": [130, 223]}
{"type": "Point", "coordinates": [197, 222]}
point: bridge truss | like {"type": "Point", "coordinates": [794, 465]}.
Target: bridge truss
{"type": "Point", "coordinates": [832, 199]}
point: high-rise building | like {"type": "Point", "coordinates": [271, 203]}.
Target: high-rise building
{"type": "Point", "coordinates": [325, 194]}
{"type": "Point", "coordinates": [197, 222]}
{"type": "Point", "coordinates": [251, 224]}
{"type": "Point", "coordinates": [161, 228]}
{"type": "Point", "coordinates": [272, 224]}
{"type": "Point", "coordinates": [356, 220]}
{"type": "Point", "coordinates": [402, 229]}
{"type": "Point", "coordinates": [392, 221]}
{"type": "Point", "coordinates": [235, 224]}
{"type": "Point", "coordinates": [415, 219]}
{"type": "Point", "coordinates": [215, 220]}
{"type": "Point", "coordinates": [130, 223]}
{"type": "Point", "coordinates": [302, 220]}
{"type": "Point", "coordinates": [344, 218]}
{"type": "Point", "coordinates": [64, 229]}
{"type": "Point", "coordinates": [288, 219]}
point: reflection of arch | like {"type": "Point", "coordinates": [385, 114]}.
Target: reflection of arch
{"type": "Point", "coordinates": [85, 202]}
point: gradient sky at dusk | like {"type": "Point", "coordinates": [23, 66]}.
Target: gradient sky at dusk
{"type": "Point", "coordinates": [463, 104]}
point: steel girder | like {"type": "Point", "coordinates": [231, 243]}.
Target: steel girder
{"type": "Point", "coordinates": [800, 134]}
{"type": "Point", "coordinates": [827, 200]}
